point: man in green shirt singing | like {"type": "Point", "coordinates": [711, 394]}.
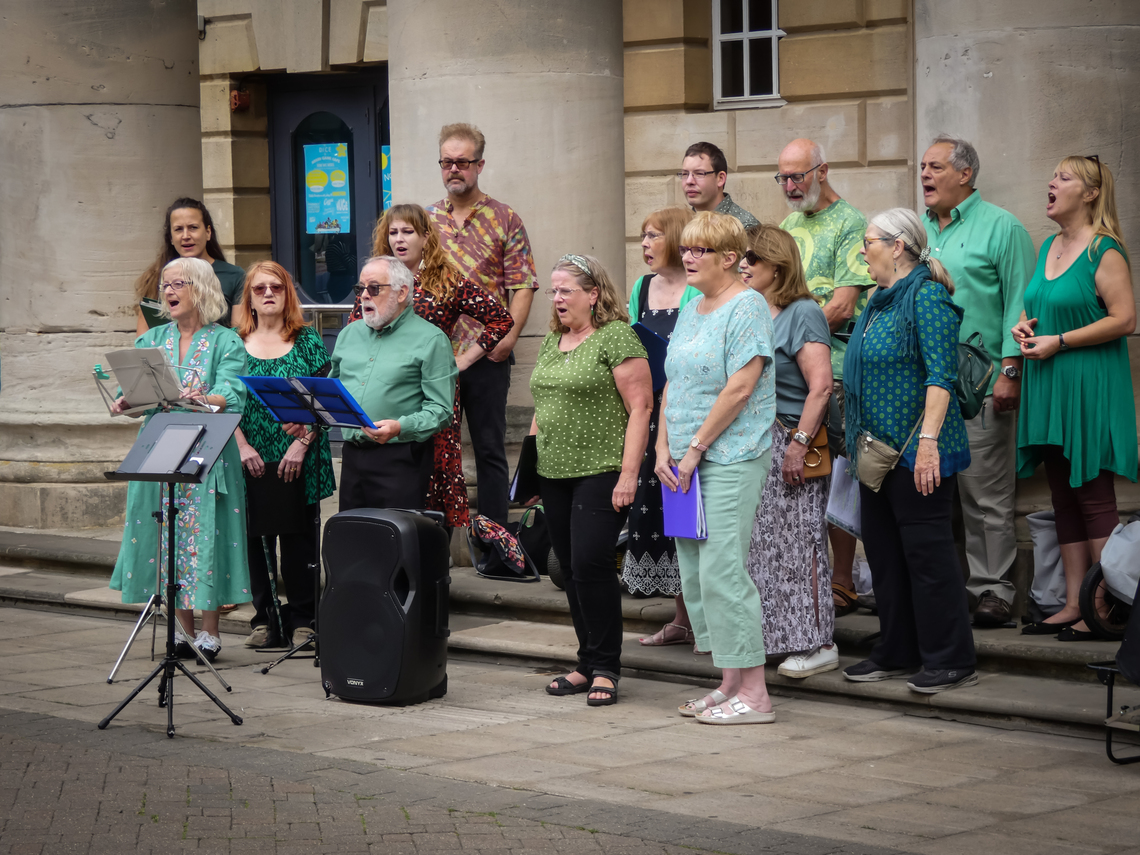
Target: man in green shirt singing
{"type": "Point", "coordinates": [990, 256]}
{"type": "Point", "coordinates": [401, 370]}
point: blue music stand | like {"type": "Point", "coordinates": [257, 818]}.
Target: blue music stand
{"type": "Point", "coordinates": [321, 401]}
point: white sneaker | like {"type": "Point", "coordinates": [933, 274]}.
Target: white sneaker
{"type": "Point", "coordinates": [817, 661]}
{"type": "Point", "coordinates": [210, 645]}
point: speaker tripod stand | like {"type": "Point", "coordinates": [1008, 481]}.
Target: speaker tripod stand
{"type": "Point", "coordinates": [161, 454]}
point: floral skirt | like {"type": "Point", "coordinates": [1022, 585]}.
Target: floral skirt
{"type": "Point", "coordinates": [447, 490]}
{"type": "Point", "coordinates": [789, 536]}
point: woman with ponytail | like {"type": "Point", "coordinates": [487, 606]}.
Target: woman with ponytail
{"type": "Point", "coordinates": [898, 379]}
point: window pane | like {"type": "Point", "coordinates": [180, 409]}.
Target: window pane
{"type": "Point", "coordinates": [759, 15]}
{"type": "Point", "coordinates": [732, 69]}
{"type": "Point", "coordinates": [760, 67]}
{"type": "Point", "coordinates": [732, 16]}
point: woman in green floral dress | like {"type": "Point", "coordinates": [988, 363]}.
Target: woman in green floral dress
{"type": "Point", "coordinates": [210, 557]}
{"type": "Point", "coordinates": [279, 344]}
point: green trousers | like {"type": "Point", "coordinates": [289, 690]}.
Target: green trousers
{"type": "Point", "coordinates": [723, 601]}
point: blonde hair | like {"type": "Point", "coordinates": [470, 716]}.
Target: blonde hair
{"type": "Point", "coordinates": [1097, 176]}
{"type": "Point", "coordinates": [718, 232]}
{"type": "Point", "coordinates": [464, 131]}
{"type": "Point", "coordinates": [672, 222]}
{"type": "Point", "coordinates": [903, 224]}
{"type": "Point", "coordinates": [610, 306]}
{"type": "Point", "coordinates": [204, 285]}
{"type": "Point", "coordinates": [778, 248]}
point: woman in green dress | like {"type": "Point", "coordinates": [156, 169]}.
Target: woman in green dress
{"type": "Point", "coordinates": [280, 344]}
{"type": "Point", "coordinates": [210, 526]}
{"type": "Point", "coordinates": [1078, 414]}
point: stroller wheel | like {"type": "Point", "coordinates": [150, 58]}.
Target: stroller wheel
{"type": "Point", "coordinates": [1104, 612]}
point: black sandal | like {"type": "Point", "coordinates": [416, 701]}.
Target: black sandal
{"type": "Point", "coordinates": [562, 686]}
{"type": "Point", "coordinates": [610, 692]}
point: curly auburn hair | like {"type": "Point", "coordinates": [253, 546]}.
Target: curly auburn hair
{"type": "Point", "coordinates": [438, 274]}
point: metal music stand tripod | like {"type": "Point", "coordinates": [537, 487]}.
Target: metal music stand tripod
{"type": "Point", "coordinates": [322, 402]}
{"type": "Point", "coordinates": [174, 448]}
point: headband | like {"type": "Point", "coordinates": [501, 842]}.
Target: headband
{"type": "Point", "coordinates": [579, 262]}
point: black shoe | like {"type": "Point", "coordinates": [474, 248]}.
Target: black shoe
{"type": "Point", "coordinates": [992, 611]}
{"type": "Point", "coordinates": [871, 672]}
{"type": "Point", "coordinates": [1070, 634]}
{"type": "Point", "coordinates": [1043, 628]}
{"type": "Point", "coordinates": [929, 682]}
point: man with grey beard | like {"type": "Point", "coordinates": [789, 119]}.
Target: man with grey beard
{"type": "Point", "coordinates": [829, 233]}
{"type": "Point", "coordinates": [401, 370]}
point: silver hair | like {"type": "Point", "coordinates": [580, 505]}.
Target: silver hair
{"type": "Point", "coordinates": [962, 155]}
{"type": "Point", "coordinates": [817, 155]}
{"type": "Point", "coordinates": [398, 273]}
{"type": "Point", "coordinates": [902, 223]}
{"type": "Point", "coordinates": [208, 297]}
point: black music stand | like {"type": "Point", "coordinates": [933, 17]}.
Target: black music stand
{"type": "Point", "coordinates": [174, 448]}
{"type": "Point", "coordinates": [322, 402]}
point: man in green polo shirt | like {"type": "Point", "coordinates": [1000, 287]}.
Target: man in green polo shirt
{"type": "Point", "coordinates": [990, 256]}
{"type": "Point", "coordinates": [401, 370]}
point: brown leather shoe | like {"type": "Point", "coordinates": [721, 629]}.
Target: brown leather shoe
{"type": "Point", "coordinates": [992, 611]}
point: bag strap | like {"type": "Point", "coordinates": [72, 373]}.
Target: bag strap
{"type": "Point", "coordinates": [643, 296]}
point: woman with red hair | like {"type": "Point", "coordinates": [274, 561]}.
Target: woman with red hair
{"type": "Point", "coordinates": [280, 344]}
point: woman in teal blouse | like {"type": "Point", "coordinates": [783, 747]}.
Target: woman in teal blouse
{"type": "Point", "coordinates": [592, 400]}
{"type": "Point", "coordinates": [210, 556]}
{"type": "Point", "coordinates": [1078, 413]}
{"type": "Point", "coordinates": [899, 375]}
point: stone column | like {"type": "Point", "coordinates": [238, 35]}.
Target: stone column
{"type": "Point", "coordinates": [543, 81]}
{"type": "Point", "coordinates": [99, 134]}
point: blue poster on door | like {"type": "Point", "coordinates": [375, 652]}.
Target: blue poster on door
{"type": "Point", "coordinates": [326, 189]}
{"type": "Point", "coordinates": [386, 174]}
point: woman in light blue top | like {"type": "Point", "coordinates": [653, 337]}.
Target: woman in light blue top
{"type": "Point", "coordinates": [719, 405]}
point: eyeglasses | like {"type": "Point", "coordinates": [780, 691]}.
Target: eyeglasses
{"type": "Point", "coordinates": [564, 293]}
{"type": "Point", "coordinates": [177, 285]}
{"type": "Point", "coordinates": [373, 288]}
{"type": "Point", "coordinates": [695, 251]}
{"type": "Point", "coordinates": [652, 235]}
{"type": "Point", "coordinates": [868, 240]}
{"type": "Point", "coordinates": [1099, 173]}
{"type": "Point", "coordinates": [796, 177]}
{"type": "Point", "coordinates": [751, 257]}
{"type": "Point", "coordinates": [462, 163]}
{"type": "Point", "coordinates": [261, 290]}
{"type": "Point", "coordinates": [696, 173]}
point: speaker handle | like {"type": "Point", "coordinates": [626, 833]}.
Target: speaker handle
{"type": "Point", "coordinates": [441, 609]}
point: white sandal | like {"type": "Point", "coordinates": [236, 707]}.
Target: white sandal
{"type": "Point", "coordinates": [689, 709]}
{"type": "Point", "coordinates": [736, 712]}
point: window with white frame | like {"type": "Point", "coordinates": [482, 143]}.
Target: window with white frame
{"type": "Point", "coordinates": [746, 62]}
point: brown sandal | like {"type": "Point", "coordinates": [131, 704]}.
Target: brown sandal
{"type": "Point", "coordinates": [661, 637]}
{"type": "Point", "coordinates": [846, 600]}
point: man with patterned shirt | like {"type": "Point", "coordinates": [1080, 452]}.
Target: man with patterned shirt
{"type": "Point", "coordinates": [704, 171]}
{"type": "Point", "coordinates": [829, 233]}
{"type": "Point", "coordinates": [488, 242]}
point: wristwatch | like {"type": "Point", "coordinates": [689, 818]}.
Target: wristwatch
{"type": "Point", "coordinates": [802, 437]}
{"type": "Point", "coordinates": [1061, 339]}
{"type": "Point", "coordinates": [696, 443]}
{"type": "Point", "coordinates": [1011, 371]}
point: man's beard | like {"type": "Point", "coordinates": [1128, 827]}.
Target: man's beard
{"type": "Point", "coordinates": [377, 320]}
{"type": "Point", "coordinates": [808, 201]}
{"type": "Point", "coordinates": [457, 186]}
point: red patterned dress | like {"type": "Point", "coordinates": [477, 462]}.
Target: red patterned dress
{"type": "Point", "coordinates": [447, 491]}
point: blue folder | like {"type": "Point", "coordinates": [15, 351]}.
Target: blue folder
{"type": "Point", "coordinates": [657, 348]}
{"type": "Point", "coordinates": [287, 398]}
{"type": "Point", "coordinates": [684, 512]}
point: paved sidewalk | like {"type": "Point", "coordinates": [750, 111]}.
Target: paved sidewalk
{"type": "Point", "coordinates": [314, 775]}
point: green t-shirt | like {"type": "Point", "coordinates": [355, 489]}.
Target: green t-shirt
{"type": "Point", "coordinates": [580, 413]}
{"type": "Point", "coordinates": [830, 242]}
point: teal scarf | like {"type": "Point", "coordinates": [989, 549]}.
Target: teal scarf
{"type": "Point", "coordinates": [899, 297]}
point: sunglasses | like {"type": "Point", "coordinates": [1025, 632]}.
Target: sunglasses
{"type": "Point", "coordinates": [751, 257]}
{"type": "Point", "coordinates": [262, 290]}
{"type": "Point", "coordinates": [373, 288]}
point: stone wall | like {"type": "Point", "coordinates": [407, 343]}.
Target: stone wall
{"type": "Point", "coordinates": [99, 132]}
{"type": "Point", "coordinates": [844, 77]}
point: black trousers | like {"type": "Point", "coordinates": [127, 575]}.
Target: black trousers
{"type": "Point", "coordinates": [923, 615]}
{"type": "Point", "coordinates": [483, 400]}
{"type": "Point", "coordinates": [584, 529]}
{"type": "Point", "coordinates": [393, 475]}
{"type": "Point", "coordinates": [298, 550]}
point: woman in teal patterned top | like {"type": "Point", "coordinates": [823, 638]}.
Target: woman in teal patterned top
{"type": "Point", "coordinates": [898, 380]}
{"type": "Point", "coordinates": [281, 345]}
{"type": "Point", "coordinates": [210, 555]}
{"type": "Point", "coordinates": [1078, 414]}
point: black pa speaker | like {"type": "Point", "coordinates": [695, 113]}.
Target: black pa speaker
{"type": "Point", "coordinates": [383, 616]}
